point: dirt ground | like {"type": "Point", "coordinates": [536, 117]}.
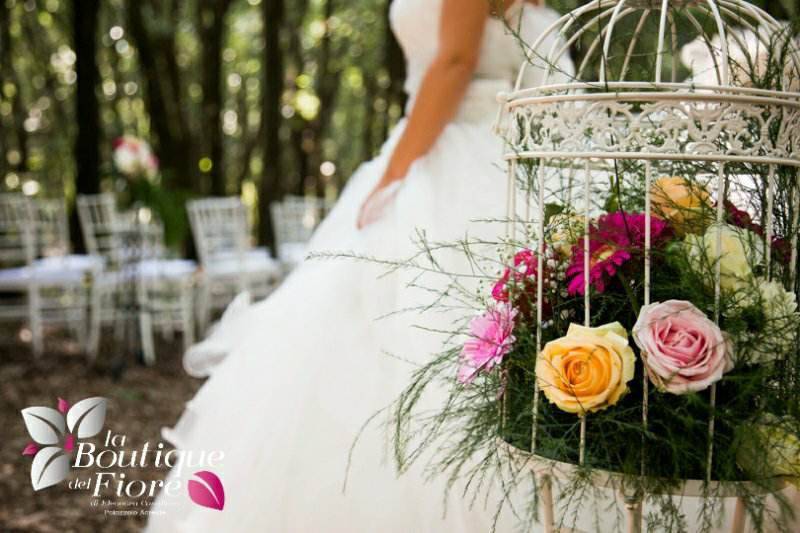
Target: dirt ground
{"type": "Point", "coordinates": [141, 400]}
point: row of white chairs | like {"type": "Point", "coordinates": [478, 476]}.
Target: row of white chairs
{"type": "Point", "coordinates": [126, 276]}
{"type": "Point", "coordinates": [230, 265]}
{"type": "Point", "coordinates": [138, 282]}
{"type": "Point", "coordinates": [43, 283]}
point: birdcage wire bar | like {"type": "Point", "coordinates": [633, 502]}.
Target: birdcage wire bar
{"type": "Point", "coordinates": [546, 124]}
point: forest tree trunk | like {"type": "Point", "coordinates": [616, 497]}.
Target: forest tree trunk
{"type": "Point", "coordinates": [87, 142]}
{"type": "Point", "coordinates": [270, 186]}
{"type": "Point", "coordinates": [212, 30]}
{"type": "Point", "coordinates": [174, 147]}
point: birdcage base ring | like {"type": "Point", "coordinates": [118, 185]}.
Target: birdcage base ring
{"type": "Point", "coordinates": [547, 470]}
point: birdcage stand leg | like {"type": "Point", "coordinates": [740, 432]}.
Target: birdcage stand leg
{"type": "Point", "coordinates": [738, 517]}
{"type": "Point", "coordinates": [633, 513]}
{"type": "Point", "coordinates": [546, 503]}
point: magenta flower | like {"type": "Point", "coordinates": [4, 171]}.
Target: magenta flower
{"type": "Point", "coordinates": [525, 267]}
{"type": "Point", "coordinates": [614, 239]}
{"type": "Point", "coordinates": [491, 340]}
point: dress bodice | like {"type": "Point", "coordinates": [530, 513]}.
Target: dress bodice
{"type": "Point", "coordinates": [416, 25]}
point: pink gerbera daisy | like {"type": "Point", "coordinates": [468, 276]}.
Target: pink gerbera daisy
{"type": "Point", "coordinates": [613, 240]}
{"type": "Point", "coordinates": [491, 340]}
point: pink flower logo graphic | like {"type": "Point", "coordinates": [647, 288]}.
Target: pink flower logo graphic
{"type": "Point", "coordinates": [54, 433]}
{"type": "Point", "coordinates": [207, 490]}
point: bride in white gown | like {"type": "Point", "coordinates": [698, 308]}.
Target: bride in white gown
{"type": "Point", "coordinates": [293, 378]}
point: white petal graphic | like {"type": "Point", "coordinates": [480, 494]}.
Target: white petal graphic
{"type": "Point", "coordinates": [85, 418]}
{"type": "Point", "coordinates": [50, 466]}
{"type": "Point", "coordinates": [45, 425]}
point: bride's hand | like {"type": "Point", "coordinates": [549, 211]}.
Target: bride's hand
{"type": "Point", "coordinates": [380, 197]}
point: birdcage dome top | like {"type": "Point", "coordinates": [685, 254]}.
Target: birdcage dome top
{"type": "Point", "coordinates": [616, 32]}
{"type": "Point", "coordinates": [661, 79]}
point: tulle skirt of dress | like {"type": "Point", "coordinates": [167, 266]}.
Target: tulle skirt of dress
{"type": "Point", "coordinates": [308, 366]}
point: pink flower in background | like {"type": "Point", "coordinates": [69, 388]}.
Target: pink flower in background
{"type": "Point", "coordinates": [683, 351]}
{"type": "Point", "coordinates": [491, 340]}
{"type": "Point", "coordinates": [613, 240]}
{"type": "Point", "coordinates": [525, 267]}
{"type": "Point", "coordinates": [134, 158]}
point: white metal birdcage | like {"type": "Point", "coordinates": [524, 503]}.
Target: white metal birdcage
{"type": "Point", "coordinates": [628, 105]}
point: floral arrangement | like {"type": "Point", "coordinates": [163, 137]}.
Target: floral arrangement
{"type": "Point", "coordinates": [710, 340]}
{"type": "Point", "coordinates": [645, 328]}
{"type": "Point", "coordinates": [133, 158]}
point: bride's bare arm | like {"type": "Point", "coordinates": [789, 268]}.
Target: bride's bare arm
{"type": "Point", "coordinates": [444, 84]}
{"type": "Point", "coordinates": [442, 89]}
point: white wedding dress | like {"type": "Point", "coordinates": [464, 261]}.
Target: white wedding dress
{"type": "Point", "coordinates": [294, 377]}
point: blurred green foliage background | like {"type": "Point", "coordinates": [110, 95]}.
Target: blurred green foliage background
{"type": "Point", "coordinates": [259, 98]}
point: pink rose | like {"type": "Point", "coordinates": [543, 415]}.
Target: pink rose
{"type": "Point", "coordinates": [491, 339]}
{"type": "Point", "coordinates": [682, 350]}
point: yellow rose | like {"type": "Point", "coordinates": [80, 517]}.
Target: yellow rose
{"type": "Point", "coordinates": [740, 248]}
{"type": "Point", "coordinates": [565, 230]}
{"type": "Point", "coordinates": [588, 369]}
{"type": "Point", "coordinates": [680, 201]}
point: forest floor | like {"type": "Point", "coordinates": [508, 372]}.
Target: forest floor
{"type": "Point", "coordinates": [141, 400]}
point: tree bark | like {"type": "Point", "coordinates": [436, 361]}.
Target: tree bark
{"type": "Point", "coordinates": [212, 30]}
{"type": "Point", "coordinates": [87, 150]}
{"type": "Point", "coordinates": [87, 154]}
{"type": "Point", "coordinates": [270, 186]}
{"type": "Point", "coordinates": [174, 147]}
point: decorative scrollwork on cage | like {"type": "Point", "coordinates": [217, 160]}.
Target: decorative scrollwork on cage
{"type": "Point", "coordinates": [629, 127]}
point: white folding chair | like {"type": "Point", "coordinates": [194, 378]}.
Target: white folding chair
{"type": "Point", "coordinates": [101, 226]}
{"type": "Point", "coordinates": [50, 290]}
{"type": "Point", "coordinates": [230, 264]}
{"type": "Point", "coordinates": [162, 289]}
{"type": "Point", "coordinates": [52, 239]}
{"type": "Point", "coordinates": [52, 228]}
{"type": "Point", "coordinates": [295, 218]}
